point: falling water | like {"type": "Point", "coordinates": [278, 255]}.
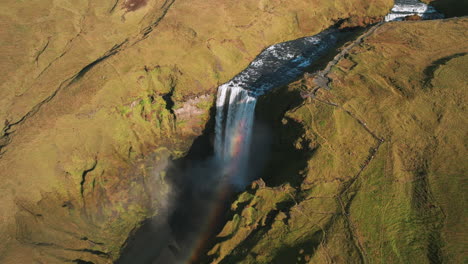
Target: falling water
{"type": "Point", "coordinates": [277, 65]}
{"type": "Point", "coordinates": [234, 120]}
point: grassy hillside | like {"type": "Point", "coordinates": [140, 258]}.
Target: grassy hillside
{"type": "Point", "coordinates": [378, 163]}
{"type": "Point", "coordinates": [97, 97]}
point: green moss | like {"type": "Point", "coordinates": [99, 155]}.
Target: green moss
{"type": "Point", "coordinates": [205, 104]}
{"type": "Point", "coordinates": [243, 198]}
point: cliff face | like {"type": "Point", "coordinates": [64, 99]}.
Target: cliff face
{"type": "Point", "coordinates": [98, 96]}
{"type": "Point", "coordinates": [375, 165]}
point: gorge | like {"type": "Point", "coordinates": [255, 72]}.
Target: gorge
{"type": "Point", "coordinates": [228, 169]}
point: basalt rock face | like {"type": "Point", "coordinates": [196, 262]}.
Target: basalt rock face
{"type": "Point", "coordinates": [98, 96]}
{"type": "Point", "coordinates": [370, 171]}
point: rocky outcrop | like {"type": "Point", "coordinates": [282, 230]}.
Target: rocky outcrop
{"type": "Point", "coordinates": [97, 97]}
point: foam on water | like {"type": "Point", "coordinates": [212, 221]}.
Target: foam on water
{"type": "Point", "coordinates": [281, 63]}
{"type": "Point", "coordinates": [404, 8]}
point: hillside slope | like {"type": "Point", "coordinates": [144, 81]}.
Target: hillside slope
{"type": "Point", "coordinates": [371, 171]}
{"type": "Point", "coordinates": [97, 97]}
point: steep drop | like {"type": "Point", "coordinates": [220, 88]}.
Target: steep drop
{"type": "Point", "coordinates": [277, 65]}
{"type": "Point", "coordinates": [234, 120]}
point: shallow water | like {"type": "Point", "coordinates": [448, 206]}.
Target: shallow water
{"type": "Point", "coordinates": [404, 8]}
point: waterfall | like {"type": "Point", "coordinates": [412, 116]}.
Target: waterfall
{"type": "Point", "coordinates": [234, 120]}
{"type": "Point", "coordinates": [275, 66]}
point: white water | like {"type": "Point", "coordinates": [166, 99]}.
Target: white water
{"type": "Point", "coordinates": [235, 106]}
{"type": "Point", "coordinates": [275, 66]}
{"type": "Point", "coordinates": [404, 8]}
{"type": "Point", "coordinates": [234, 120]}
